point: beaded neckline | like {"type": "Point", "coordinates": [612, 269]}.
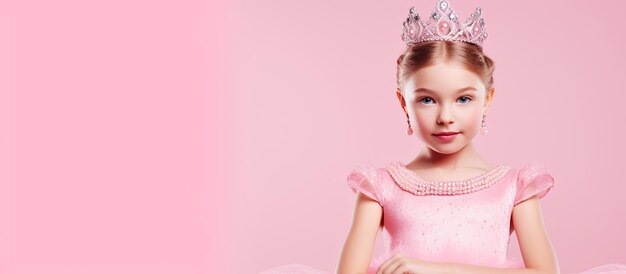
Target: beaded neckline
{"type": "Point", "coordinates": [413, 183]}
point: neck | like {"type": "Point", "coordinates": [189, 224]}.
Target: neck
{"type": "Point", "coordinates": [467, 156]}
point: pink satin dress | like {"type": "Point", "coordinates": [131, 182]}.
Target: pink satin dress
{"type": "Point", "coordinates": [465, 221]}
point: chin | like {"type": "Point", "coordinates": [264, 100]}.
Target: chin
{"type": "Point", "coordinates": [445, 149]}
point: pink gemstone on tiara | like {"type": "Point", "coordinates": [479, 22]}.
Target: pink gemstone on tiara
{"type": "Point", "coordinates": [413, 31]}
{"type": "Point", "coordinates": [476, 30]}
{"type": "Point", "coordinates": [444, 28]}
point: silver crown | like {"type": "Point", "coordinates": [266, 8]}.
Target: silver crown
{"type": "Point", "coordinates": [444, 24]}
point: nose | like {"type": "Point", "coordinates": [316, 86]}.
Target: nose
{"type": "Point", "coordinates": [445, 116]}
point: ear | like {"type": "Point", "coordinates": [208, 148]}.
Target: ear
{"type": "Point", "coordinates": [488, 99]}
{"type": "Point", "coordinates": [401, 100]}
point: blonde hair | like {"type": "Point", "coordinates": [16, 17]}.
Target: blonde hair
{"type": "Point", "coordinates": [424, 54]}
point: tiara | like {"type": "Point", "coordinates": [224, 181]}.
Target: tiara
{"type": "Point", "coordinates": [444, 24]}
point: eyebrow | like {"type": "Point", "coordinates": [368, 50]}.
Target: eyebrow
{"type": "Point", "coordinates": [431, 91]}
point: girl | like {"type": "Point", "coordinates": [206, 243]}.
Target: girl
{"type": "Point", "coordinates": [448, 210]}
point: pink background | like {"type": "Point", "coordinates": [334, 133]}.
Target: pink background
{"type": "Point", "coordinates": [201, 137]}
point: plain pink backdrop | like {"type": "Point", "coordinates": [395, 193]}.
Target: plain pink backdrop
{"type": "Point", "coordinates": [204, 137]}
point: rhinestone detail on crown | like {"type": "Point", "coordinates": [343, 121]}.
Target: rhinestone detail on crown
{"type": "Point", "coordinates": [444, 24]}
{"type": "Point", "coordinates": [409, 181]}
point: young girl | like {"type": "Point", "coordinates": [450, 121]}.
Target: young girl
{"type": "Point", "coordinates": [448, 210]}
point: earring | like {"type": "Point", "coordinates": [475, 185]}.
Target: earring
{"type": "Point", "coordinates": [409, 130]}
{"type": "Point", "coordinates": [483, 126]}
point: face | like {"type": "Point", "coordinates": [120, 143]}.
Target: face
{"type": "Point", "coordinates": [436, 100]}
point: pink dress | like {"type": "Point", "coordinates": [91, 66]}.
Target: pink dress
{"type": "Point", "coordinates": [463, 222]}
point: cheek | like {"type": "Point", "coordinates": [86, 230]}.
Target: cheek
{"type": "Point", "coordinates": [423, 116]}
{"type": "Point", "coordinates": [472, 117]}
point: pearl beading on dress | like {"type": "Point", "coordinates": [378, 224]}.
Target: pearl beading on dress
{"type": "Point", "coordinates": [444, 24]}
{"type": "Point", "coordinates": [409, 181]}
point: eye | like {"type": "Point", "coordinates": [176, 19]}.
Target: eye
{"type": "Point", "coordinates": [468, 99]}
{"type": "Point", "coordinates": [422, 100]}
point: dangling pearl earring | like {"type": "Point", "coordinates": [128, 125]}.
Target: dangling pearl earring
{"type": "Point", "coordinates": [483, 126]}
{"type": "Point", "coordinates": [409, 130]}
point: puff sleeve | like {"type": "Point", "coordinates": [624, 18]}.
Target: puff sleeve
{"type": "Point", "coordinates": [533, 179]}
{"type": "Point", "coordinates": [366, 179]}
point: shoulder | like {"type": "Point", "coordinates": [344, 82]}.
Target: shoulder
{"type": "Point", "coordinates": [533, 179]}
{"type": "Point", "coordinates": [368, 179]}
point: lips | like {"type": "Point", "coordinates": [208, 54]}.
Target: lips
{"type": "Point", "coordinates": [446, 136]}
{"type": "Point", "coordinates": [445, 133]}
